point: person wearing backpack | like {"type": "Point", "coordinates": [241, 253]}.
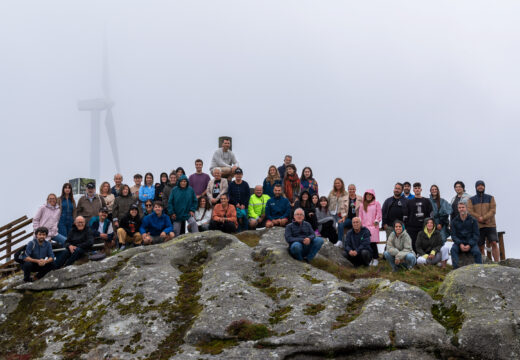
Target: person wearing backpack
{"type": "Point", "coordinates": [39, 257]}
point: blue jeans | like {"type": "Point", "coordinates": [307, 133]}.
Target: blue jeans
{"type": "Point", "coordinates": [455, 251]}
{"type": "Point", "coordinates": [60, 239]}
{"type": "Point", "coordinates": [300, 251]}
{"type": "Point", "coordinates": [66, 258]}
{"type": "Point", "coordinates": [347, 224]}
{"type": "Point", "coordinates": [409, 261]}
{"type": "Point", "coordinates": [64, 226]}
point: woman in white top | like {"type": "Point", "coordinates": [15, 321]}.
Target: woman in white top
{"type": "Point", "coordinates": [203, 214]}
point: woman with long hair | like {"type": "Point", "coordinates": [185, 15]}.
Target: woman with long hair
{"type": "Point", "coordinates": [147, 190]}
{"type": "Point", "coordinates": [159, 187]}
{"type": "Point", "coordinates": [337, 197]}
{"type": "Point", "coordinates": [441, 212]}
{"type": "Point", "coordinates": [370, 215]}
{"type": "Point", "coordinates": [325, 220]}
{"type": "Point", "coordinates": [106, 194]}
{"type": "Point", "coordinates": [305, 203]}
{"type": "Point", "coordinates": [291, 184]}
{"type": "Point", "coordinates": [315, 199]}
{"type": "Point", "coordinates": [203, 214]}
{"type": "Point", "coordinates": [67, 205]}
{"type": "Point", "coordinates": [273, 178]}
{"type": "Point", "coordinates": [308, 182]}
{"type": "Point", "coordinates": [48, 215]}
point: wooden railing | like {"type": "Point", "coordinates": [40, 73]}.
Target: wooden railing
{"type": "Point", "coordinates": [10, 237]}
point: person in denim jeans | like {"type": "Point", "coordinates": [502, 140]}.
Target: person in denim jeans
{"type": "Point", "coordinates": [67, 205]}
{"type": "Point", "coordinates": [303, 243]}
{"type": "Point", "coordinates": [399, 252]}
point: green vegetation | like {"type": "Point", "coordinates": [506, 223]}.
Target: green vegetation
{"type": "Point", "coordinates": [311, 279]}
{"type": "Point", "coordinates": [215, 346]}
{"type": "Point", "coordinates": [249, 238]}
{"type": "Point", "coordinates": [279, 315]}
{"type": "Point", "coordinates": [313, 309]}
{"type": "Point", "coordinates": [354, 308]}
{"type": "Point", "coordinates": [264, 284]}
{"type": "Point", "coordinates": [450, 318]}
{"type": "Point", "coordinates": [245, 330]}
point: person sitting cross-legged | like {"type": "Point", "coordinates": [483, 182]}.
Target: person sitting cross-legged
{"type": "Point", "coordinates": [79, 242]}
{"type": "Point", "coordinates": [357, 244]}
{"type": "Point", "coordinates": [39, 256]}
{"type": "Point", "coordinates": [429, 244]}
{"type": "Point", "coordinates": [303, 242]}
{"type": "Point", "coordinates": [399, 252]}
{"type": "Point", "coordinates": [128, 232]}
{"type": "Point", "coordinates": [465, 235]}
{"type": "Point", "coordinates": [156, 227]}
{"type": "Point", "coordinates": [224, 216]}
{"type": "Point", "coordinates": [278, 209]}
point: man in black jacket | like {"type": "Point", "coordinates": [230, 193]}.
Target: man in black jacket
{"type": "Point", "coordinates": [419, 209]}
{"type": "Point", "coordinates": [128, 232]}
{"type": "Point", "coordinates": [79, 242]}
{"type": "Point", "coordinates": [357, 244]}
{"type": "Point", "coordinates": [394, 208]}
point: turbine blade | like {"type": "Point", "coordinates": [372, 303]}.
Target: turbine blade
{"type": "Point", "coordinates": [111, 132]}
{"type": "Point", "coordinates": [105, 81]}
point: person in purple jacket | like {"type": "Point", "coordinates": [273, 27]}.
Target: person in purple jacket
{"type": "Point", "coordinates": [199, 180]}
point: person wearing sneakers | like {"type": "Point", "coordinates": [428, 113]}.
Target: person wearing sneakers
{"type": "Point", "coordinates": [429, 244]}
{"type": "Point", "coordinates": [399, 252]}
{"type": "Point", "coordinates": [128, 232]}
{"type": "Point", "coordinates": [370, 215]}
{"type": "Point", "coordinates": [358, 249]}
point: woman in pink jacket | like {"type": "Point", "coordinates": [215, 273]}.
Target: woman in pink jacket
{"type": "Point", "coordinates": [48, 215]}
{"type": "Point", "coordinates": [370, 215]}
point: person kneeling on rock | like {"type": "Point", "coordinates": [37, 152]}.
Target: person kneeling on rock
{"type": "Point", "coordinates": [357, 244]}
{"type": "Point", "coordinates": [399, 252]}
{"type": "Point", "coordinates": [303, 242]}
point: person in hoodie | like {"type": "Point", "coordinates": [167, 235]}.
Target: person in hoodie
{"type": "Point", "coordinates": [399, 252]}
{"type": "Point", "coordinates": [483, 208]}
{"type": "Point", "coordinates": [394, 208]}
{"type": "Point", "coordinates": [122, 204]}
{"type": "Point", "coordinates": [277, 209]}
{"type": "Point", "coordinates": [90, 203]}
{"type": "Point", "coordinates": [39, 257]}
{"type": "Point", "coordinates": [67, 205]}
{"type": "Point", "coordinates": [370, 215]}
{"type": "Point", "coordinates": [156, 227]}
{"type": "Point", "coordinates": [172, 182]}
{"type": "Point", "coordinates": [460, 195]}
{"type": "Point", "coordinates": [102, 229]}
{"type": "Point", "coordinates": [128, 232]}
{"type": "Point", "coordinates": [465, 235]}
{"type": "Point", "coordinates": [304, 202]}
{"type": "Point", "coordinates": [303, 242]}
{"type": "Point", "coordinates": [308, 182]}
{"type": "Point", "coordinates": [159, 187]}
{"type": "Point", "coordinates": [441, 212]}
{"type": "Point", "coordinates": [430, 245]}
{"type": "Point", "coordinates": [357, 244]}
{"type": "Point", "coordinates": [419, 209]}
{"type": "Point", "coordinates": [182, 205]}
{"type": "Point", "coordinates": [48, 216]}
{"type": "Point", "coordinates": [238, 192]}
{"type": "Point", "coordinates": [147, 191]}
{"type": "Point", "coordinates": [79, 242]}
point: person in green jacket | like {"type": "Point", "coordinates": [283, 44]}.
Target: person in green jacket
{"type": "Point", "coordinates": [182, 205]}
{"type": "Point", "coordinates": [256, 208]}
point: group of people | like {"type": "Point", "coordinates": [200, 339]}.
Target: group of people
{"type": "Point", "coordinates": [150, 213]}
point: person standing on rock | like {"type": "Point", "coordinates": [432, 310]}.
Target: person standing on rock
{"type": "Point", "coordinates": [199, 180]}
{"type": "Point", "coordinates": [465, 235]}
{"type": "Point", "coordinates": [239, 195]}
{"type": "Point", "coordinates": [224, 159]}
{"type": "Point", "coordinates": [419, 208]}
{"type": "Point", "coordinates": [483, 208]}
{"type": "Point", "coordinates": [370, 215]}
{"type": "Point", "coordinates": [182, 205]}
{"type": "Point", "coordinates": [441, 212]}
{"type": "Point", "coordinates": [303, 242]}
{"type": "Point", "coordinates": [278, 209]}
{"type": "Point", "coordinates": [394, 208]}
{"type": "Point", "coordinates": [357, 244]}
{"type": "Point", "coordinates": [90, 203]}
{"type": "Point", "coordinates": [224, 216]}
{"type": "Point", "coordinates": [399, 251]}
{"type": "Point", "coordinates": [460, 195]}
{"type": "Point", "coordinates": [156, 227]}
{"type": "Point", "coordinates": [406, 191]}
{"type": "Point", "coordinates": [287, 160]}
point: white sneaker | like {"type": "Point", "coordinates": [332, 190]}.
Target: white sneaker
{"type": "Point", "coordinates": [374, 262]}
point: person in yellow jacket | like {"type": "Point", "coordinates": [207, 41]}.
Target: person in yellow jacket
{"type": "Point", "coordinates": [256, 208]}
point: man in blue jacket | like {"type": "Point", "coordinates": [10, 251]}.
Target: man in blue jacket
{"type": "Point", "coordinates": [182, 205]}
{"type": "Point", "coordinates": [277, 209]}
{"type": "Point", "coordinates": [156, 227]}
{"type": "Point", "coordinates": [465, 235]}
{"type": "Point", "coordinates": [357, 244]}
{"type": "Point", "coordinates": [39, 256]}
{"type": "Point", "coordinates": [303, 243]}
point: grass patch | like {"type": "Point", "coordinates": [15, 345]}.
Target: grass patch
{"type": "Point", "coordinates": [311, 279]}
{"type": "Point", "coordinates": [249, 238]}
{"type": "Point", "coordinates": [450, 318]}
{"type": "Point", "coordinates": [215, 346]}
{"type": "Point", "coordinates": [265, 285]}
{"type": "Point", "coordinates": [354, 308]}
{"type": "Point", "coordinates": [279, 315]}
{"type": "Point", "coordinates": [313, 309]}
{"type": "Point", "coordinates": [246, 330]}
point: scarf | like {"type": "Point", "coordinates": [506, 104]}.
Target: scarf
{"type": "Point", "coordinates": [292, 184]}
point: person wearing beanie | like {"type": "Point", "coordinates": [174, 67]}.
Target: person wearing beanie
{"type": "Point", "coordinates": [483, 208]}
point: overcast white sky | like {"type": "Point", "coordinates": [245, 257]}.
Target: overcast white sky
{"type": "Point", "coordinates": [372, 91]}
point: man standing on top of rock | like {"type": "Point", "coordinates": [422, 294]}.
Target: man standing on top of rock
{"type": "Point", "coordinates": [303, 242]}
{"type": "Point", "coordinates": [483, 208]}
{"type": "Point", "coordinates": [225, 160]}
{"type": "Point", "coordinates": [461, 195]}
{"type": "Point", "coordinates": [465, 235]}
{"type": "Point", "coordinates": [394, 208]}
{"type": "Point", "coordinates": [357, 244]}
{"type": "Point", "coordinates": [419, 209]}
{"type": "Point", "coordinates": [199, 180]}
{"type": "Point", "coordinates": [406, 191]}
{"type": "Point", "coordinates": [182, 205]}
{"type": "Point", "coordinates": [287, 160]}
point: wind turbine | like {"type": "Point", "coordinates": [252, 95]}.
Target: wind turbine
{"type": "Point", "coordinates": [96, 107]}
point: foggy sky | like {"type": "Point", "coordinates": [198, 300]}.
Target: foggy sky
{"type": "Point", "coordinates": [374, 92]}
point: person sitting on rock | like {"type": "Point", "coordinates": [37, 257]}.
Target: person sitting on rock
{"type": "Point", "coordinates": [256, 208]}
{"type": "Point", "coordinates": [399, 251]}
{"type": "Point", "coordinates": [216, 186]}
{"type": "Point", "coordinates": [79, 242]}
{"type": "Point", "coordinates": [239, 195]}
{"type": "Point", "coordinates": [225, 159]}
{"type": "Point", "coordinates": [39, 256]}
{"type": "Point", "coordinates": [303, 242]}
{"type": "Point", "coordinates": [182, 205]}
{"type": "Point", "coordinates": [430, 249]}
{"type": "Point", "coordinates": [128, 231]}
{"type": "Point", "coordinates": [278, 209]}
{"type": "Point", "coordinates": [156, 227]}
{"type": "Point", "coordinates": [465, 235]}
{"type": "Point", "coordinates": [357, 244]}
{"type": "Point", "coordinates": [224, 217]}
{"type": "Point", "coordinates": [102, 228]}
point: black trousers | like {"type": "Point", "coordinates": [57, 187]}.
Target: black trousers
{"type": "Point", "coordinates": [375, 251]}
{"type": "Point", "coordinates": [67, 258]}
{"type": "Point", "coordinates": [328, 231]}
{"type": "Point", "coordinates": [413, 232]}
{"type": "Point", "coordinates": [226, 226]}
{"type": "Point", "coordinates": [29, 267]}
{"type": "Point", "coordinates": [363, 258]}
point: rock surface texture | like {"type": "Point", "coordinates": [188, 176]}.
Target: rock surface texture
{"type": "Point", "coordinates": [211, 296]}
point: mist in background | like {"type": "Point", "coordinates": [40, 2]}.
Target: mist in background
{"type": "Point", "coordinates": [374, 92]}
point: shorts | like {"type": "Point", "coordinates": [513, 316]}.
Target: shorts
{"type": "Point", "coordinates": [489, 234]}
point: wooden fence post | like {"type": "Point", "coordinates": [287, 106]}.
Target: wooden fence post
{"type": "Point", "coordinates": [8, 246]}
{"type": "Point", "coordinates": [501, 245]}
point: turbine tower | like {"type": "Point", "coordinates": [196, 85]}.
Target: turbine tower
{"type": "Point", "coordinates": [96, 107]}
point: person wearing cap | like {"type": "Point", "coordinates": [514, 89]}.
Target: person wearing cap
{"type": "Point", "coordinates": [182, 205]}
{"type": "Point", "coordinates": [225, 159]}
{"type": "Point", "coordinates": [128, 232]}
{"type": "Point", "coordinates": [303, 242]}
{"type": "Point", "coordinates": [216, 186]}
{"type": "Point", "coordinates": [256, 209]}
{"type": "Point", "coordinates": [39, 257]}
{"type": "Point", "coordinates": [156, 227]}
{"type": "Point", "coordinates": [102, 229]}
{"type": "Point", "coordinates": [483, 208]}
{"type": "Point", "coordinates": [460, 195]}
{"type": "Point", "coordinates": [465, 235]}
{"type": "Point", "coordinates": [278, 209]}
{"type": "Point", "coordinates": [199, 180]}
{"type": "Point", "coordinates": [238, 192]}
{"type": "Point", "coordinates": [90, 203]}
